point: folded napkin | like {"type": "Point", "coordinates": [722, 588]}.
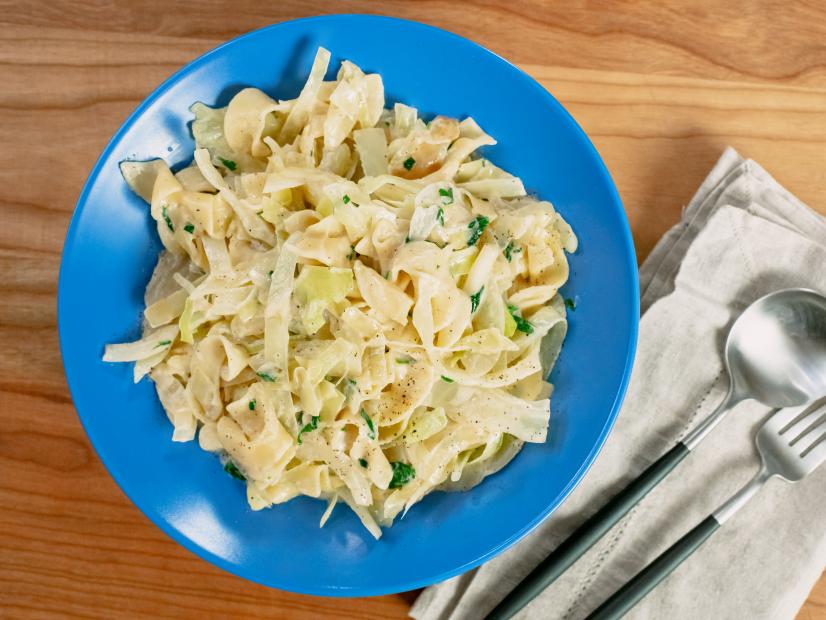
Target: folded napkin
{"type": "Point", "coordinates": [742, 236]}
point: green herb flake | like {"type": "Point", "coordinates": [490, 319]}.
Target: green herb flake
{"type": "Point", "coordinates": [363, 463]}
{"type": "Point", "coordinates": [251, 405]}
{"type": "Point", "coordinates": [371, 430]}
{"type": "Point", "coordinates": [313, 424]}
{"type": "Point", "coordinates": [232, 469]}
{"type": "Point", "coordinates": [409, 163]}
{"type": "Point", "coordinates": [266, 376]}
{"type": "Point", "coordinates": [570, 303]}
{"type": "Point", "coordinates": [474, 299]}
{"type": "Point", "coordinates": [167, 219]}
{"type": "Point", "coordinates": [352, 254]}
{"type": "Point", "coordinates": [510, 250]}
{"type": "Point", "coordinates": [386, 275]}
{"type": "Point", "coordinates": [521, 323]}
{"type": "Point", "coordinates": [440, 216]}
{"type": "Point", "coordinates": [228, 164]}
{"type": "Point", "coordinates": [345, 199]}
{"type": "Point", "coordinates": [476, 227]}
{"type": "Point", "coordinates": [190, 227]}
{"type": "Point", "coordinates": [163, 343]}
{"type": "Point", "coordinates": [447, 195]}
{"type": "Point", "coordinates": [447, 379]}
{"type": "Point", "coordinates": [351, 386]}
{"type": "Point", "coordinates": [405, 360]}
{"type": "Point", "coordinates": [402, 474]}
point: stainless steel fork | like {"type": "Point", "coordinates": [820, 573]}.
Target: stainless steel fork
{"type": "Point", "coordinates": [792, 444]}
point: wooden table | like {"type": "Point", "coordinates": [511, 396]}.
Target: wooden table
{"type": "Point", "coordinates": [660, 89]}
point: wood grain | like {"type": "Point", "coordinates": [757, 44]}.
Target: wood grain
{"type": "Point", "coordinates": [661, 89]}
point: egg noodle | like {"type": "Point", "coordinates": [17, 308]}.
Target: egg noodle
{"type": "Point", "coordinates": [351, 305]}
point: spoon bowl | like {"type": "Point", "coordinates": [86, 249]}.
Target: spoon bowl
{"type": "Point", "coordinates": [776, 350]}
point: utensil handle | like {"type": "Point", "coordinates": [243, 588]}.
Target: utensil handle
{"type": "Point", "coordinates": [646, 580]}
{"type": "Point", "coordinates": [587, 534]}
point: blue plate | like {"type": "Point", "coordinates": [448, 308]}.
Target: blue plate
{"type": "Point", "coordinates": [111, 248]}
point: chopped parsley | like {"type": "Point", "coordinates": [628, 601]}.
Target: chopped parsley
{"type": "Point", "coordinates": [440, 216]}
{"type": "Point", "coordinates": [510, 250]}
{"type": "Point", "coordinates": [163, 343]}
{"type": "Point", "coordinates": [166, 218]}
{"type": "Point", "coordinates": [570, 303]}
{"type": "Point", "coordinates": [474, 299]}
{"type": "Point", "coordinates": [190, 227]}
{"type": "Point", "coordinates": [266, 376]}
{"type": "Point", "coordinates": [476, 227]}
{"type": "Point", "coordinates": [363, 463]}
{"type": "Point", "coordinates": [251, 405]}
{"type": "Point", "coordinates": [232, 469]}
{"type": "Point", "coordinates": [447, 195]}
{"type": "Point", "coordinates": [351, 386]}
{"type": "Point", "coordinates": [521, 323]}
{"type": "Point", "coordinates": [386, 275]}
{"type": "Point", "coordinates": [352, 254]}
{"type": "Point", "coordinates": [270, 273]}
{"type": "Point", "coordinates": [409, 163]}
{"type": "Point", "coordinates": [345, 199]}
{"type": "Point", "coordinates": [402, 474]}
{"type": "Point", "coordinates": [447, 379]}
{"type": "Point", "coordinates": [371, 430]}
{"type": "Point", "coordinates": [405, 360]}
{"type": "Point", "coordinates": [228, 164]}
{"type": "Point", "coordinates": [311, 426]}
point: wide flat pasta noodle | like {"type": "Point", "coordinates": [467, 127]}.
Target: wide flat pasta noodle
{"type": "Point", "coordinates": [250, 116]}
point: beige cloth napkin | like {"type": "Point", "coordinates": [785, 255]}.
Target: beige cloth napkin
{"type": "Point", "coordinates": [741, 236]}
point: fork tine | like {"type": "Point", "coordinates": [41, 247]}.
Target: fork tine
{"type": "Point", "coordinates": [797, 425]}
{"type": "Point", "coordinates": [811, 435]}
{"type": "Point", "coordinates": [781, 418]}
{"type": "Point", "coordinates": [816, 454]}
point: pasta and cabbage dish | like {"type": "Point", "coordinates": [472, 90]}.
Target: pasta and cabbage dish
{"type": "Point", "coordinates": [352, 304]}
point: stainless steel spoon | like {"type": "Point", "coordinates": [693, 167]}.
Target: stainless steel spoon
{"type": "Point", "coordinates": [775, 353]}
